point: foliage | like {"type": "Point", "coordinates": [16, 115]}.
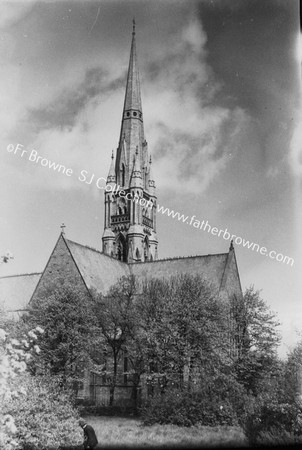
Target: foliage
{"type": "Point", "coordinates": [257, 336]}
{"type": "Point", "coordinates": [183, 408]}
{"type": "Point", "coordinates": [44, 415]}
{"type": "Point", "coordinates": [36, 412]}
{"type": "Point", "coordinates": [274, 423]}
{"type": "Point", "coordinates": [218, 400]}
{"type": "Point", "coordinates": [116, 318]}
{"type": "Point", "coordinates": [182, 326]}
{"type": "Point", "coordinates": [14, 355]}
{"type": "Point", "coordinates": [67, 319]}
{"type": "Point", "coordinates": [293, 375]}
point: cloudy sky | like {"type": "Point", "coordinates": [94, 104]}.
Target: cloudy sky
{"type": "Point", "coordinates": [221, 100]}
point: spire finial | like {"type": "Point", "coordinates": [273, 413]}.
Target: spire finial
{"type": "Point", "coordinates": [150, 160]}
{"type": "Point", "coordinates": [112, 156]}
{"type": "Point", "coordinates": [133, 25]}
{"type": "Point", "coordinates": [231, 246]}
{"type": "Point", "coordinates": [136, 151]}
{"type": "Point", "coordinates": [62, 228]}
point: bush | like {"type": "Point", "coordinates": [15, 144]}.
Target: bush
{"type": "Point", "coordinates": [273, 423]}
{"type": "Point", "coordinates": [14, 356]}
{"type": "Point", "coordinates": [44, 415]}
{"type": "Point", "coordinates": [185, 408]}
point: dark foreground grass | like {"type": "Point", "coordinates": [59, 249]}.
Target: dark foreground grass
{"type": "Point", "coordinates": [117, 432]}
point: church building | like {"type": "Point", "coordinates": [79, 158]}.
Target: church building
{"type": "Point", "coordinates": [129, 241]}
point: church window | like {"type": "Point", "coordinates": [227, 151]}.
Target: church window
{"type": "Point", "coordinates": [135, 114]}
{"type": "Point", "coordinates": [121, 252]}
{"type": "Point", "coordinates": [137, 254]}
{"type": "Point", "coordinates": [128, 114]}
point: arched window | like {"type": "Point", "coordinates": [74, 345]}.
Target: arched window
{"type": "Point", "coordinates": [149, 210]}
{"type": "Point", "coordinates": [121, 248]}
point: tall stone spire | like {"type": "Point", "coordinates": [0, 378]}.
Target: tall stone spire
{"type": "Point", "coordinates": [130, 210]}
{"type": "Point", "coordinates": [132, 127]}
{"type": "Point", "coordinates": [133, 93]}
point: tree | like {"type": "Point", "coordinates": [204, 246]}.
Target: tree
{"type": "Point", "coordinates": [293, 375]}
{"type": "Point", "coordinates": [68, 321]}
{"type": "Point", "coordinates": [257, 336]}
{"type": "Point", "coordinates": [115, 315]}
{"type": "Point", "coordinates": [184, 327]}
{"type": "Point", "coordinates": [170, 330]}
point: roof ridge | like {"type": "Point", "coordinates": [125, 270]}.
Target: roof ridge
{"type": "Point", "coordinates": [179, 257]}
{"type": "Point", "coordinates": [95, 250]}
{"type": "Point", "coordinates": [86, 246]}
{"type": "Point", "coordinates": [21, 275]}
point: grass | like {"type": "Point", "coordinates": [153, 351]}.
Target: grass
{"type": "Point", "coordinates": [130, 433]}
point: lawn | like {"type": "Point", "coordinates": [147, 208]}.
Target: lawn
{"type": "Point", "coordinates": [128, 432]}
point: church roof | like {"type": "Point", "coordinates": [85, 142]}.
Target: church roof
{"type": "Point", "coordinates": [16, 290]}
{"type": "Point", "coordinates": [210, 267]}
{"type": "Point", "coordinates": [99, 271]}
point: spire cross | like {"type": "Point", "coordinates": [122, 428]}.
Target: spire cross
{"type": "Point", "coordinates": [62, 228]}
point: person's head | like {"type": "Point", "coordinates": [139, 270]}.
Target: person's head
{"type": "Point", "coordinates": [82, 422]}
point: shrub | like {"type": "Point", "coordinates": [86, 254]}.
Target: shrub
{"type": "Point", "coordinates": [44, 415]}
{"type": "Point", "coordinates": [273, 423]}
{"type": "Point", "coordinates": [185, 408]}
{"type": "Point", "coordinates": [14, 356]}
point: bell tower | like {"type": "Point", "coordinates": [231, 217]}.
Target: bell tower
{"type": "Point", "coordinates": [130, 199]}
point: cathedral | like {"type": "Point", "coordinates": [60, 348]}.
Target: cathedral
{"type": "Point", "coordinates": [129, 240]}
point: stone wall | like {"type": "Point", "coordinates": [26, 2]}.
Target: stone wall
{"type": "Point", "coordinates": [60, 269]}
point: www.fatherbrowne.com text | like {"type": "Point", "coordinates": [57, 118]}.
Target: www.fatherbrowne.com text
{"type": "Point", "coordinates": [225, 234]}
{"type": "Point", "coordinates": [100, 183]}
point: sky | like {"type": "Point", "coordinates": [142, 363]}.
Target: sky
{"type": "Point", "coordinates": [221, 95]}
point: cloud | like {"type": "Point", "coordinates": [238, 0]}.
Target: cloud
{"type": "Point", "coordinates": [295, 157]}
{"type": "Point", "coordinates": [12, 12]}
{"type": "Point", "coordinates": [76, 121]}
{"type": "Point", "coordinates": [64, 109]}
{"type": "Point", "coordinates": [191, 135]}
{"type": "Point", "coordinates": [11, 111]}
{"type": "Point", "coordinates": [83, 144]}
